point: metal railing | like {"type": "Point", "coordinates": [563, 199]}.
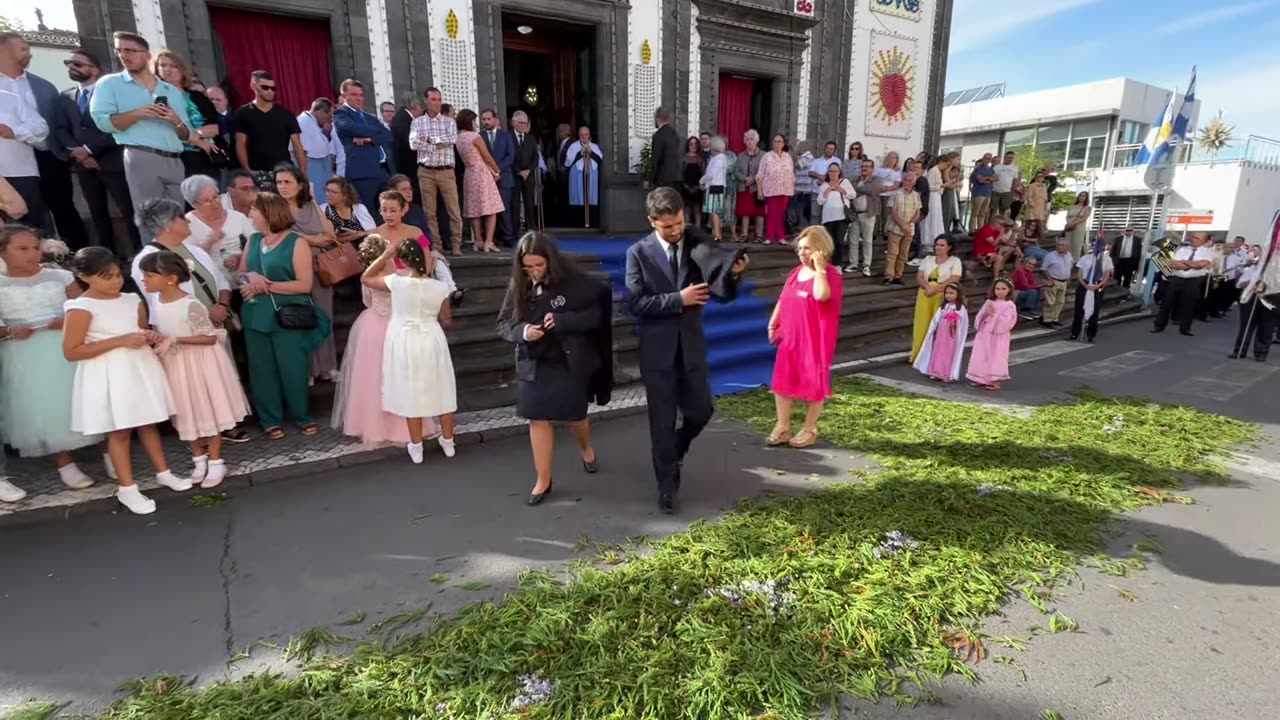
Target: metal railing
{"type": "Point", "coordinates": [1253, 149]}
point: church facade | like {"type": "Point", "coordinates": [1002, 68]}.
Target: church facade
{"type": "Point", "coordinates": [843, 70]}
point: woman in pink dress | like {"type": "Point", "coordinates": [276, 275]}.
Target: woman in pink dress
{"type": "Point", "coordinates": [804, 326]}
{"type": "Point", "coordinates": [207, 395]}
{"type": "Point", "coordinates": [940, 356]}
{"type": "Point", "coordinates": [989, 363]}
{"type": "Point", "coordinates": [480, 196]}
{"type": "Point", "coordinates": [357, 404]}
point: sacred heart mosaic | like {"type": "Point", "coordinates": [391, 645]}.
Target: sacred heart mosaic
{"type": "Point", "coordinates": [891, 85]}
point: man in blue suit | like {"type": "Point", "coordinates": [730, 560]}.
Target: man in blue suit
{"type": "Point", "coordinates": [503, 150]}
{"type": "Point", "coordinates": [365, 140]}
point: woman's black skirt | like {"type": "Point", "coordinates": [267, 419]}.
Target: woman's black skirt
{"type": "Point", "coordinates": [556, 395]}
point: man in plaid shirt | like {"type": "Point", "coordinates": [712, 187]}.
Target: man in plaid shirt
{"type": "Point", "coordinates": [433, 135]}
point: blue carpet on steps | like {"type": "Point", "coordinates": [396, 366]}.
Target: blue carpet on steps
{"type": "Point", "coordinates": [738, 351]}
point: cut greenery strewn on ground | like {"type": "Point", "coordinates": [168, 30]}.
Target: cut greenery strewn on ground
{"type": "Point", "coordinates": [869, 588]}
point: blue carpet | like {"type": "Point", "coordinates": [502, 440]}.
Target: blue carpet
{"type": "Point", "coordinates": [738, 350]}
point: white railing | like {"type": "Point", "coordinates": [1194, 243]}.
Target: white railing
{"type": "Point", "coordinates": [1253, 149]}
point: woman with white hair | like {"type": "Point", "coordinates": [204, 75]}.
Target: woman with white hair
{"type": "Point", "coordinates": [749, 203]}
{"type": "Point", "coordinates": [162, 219]}
{"type": "Point", "coordinates": [715, 185]}
{"type": "Point", "coordinates": [218, 231]}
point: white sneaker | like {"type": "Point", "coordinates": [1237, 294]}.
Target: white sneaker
{"type": "Point", "coordinates": [415, 453]}
{"type": "Point", "coordinates": [73, 477]}
{"type": "Point", "coordinates": [173, 482]}
{"type": "Point", "coordinates": [217, 472]}
{"type": "Point", "coordinates": [914, 262]}
{"type": "Point", "coordinates": [111, 468]}
{"type": "Point", "coordinates": [199, 468]}
{"type": "Point", "coordinates": [132, 498]}
{"type": "Point", "coordinates": [447, 445]}
{"type": "Point", "coordinates": [9, 492]}
{"type": "Point", "coordinates": [866, 271]}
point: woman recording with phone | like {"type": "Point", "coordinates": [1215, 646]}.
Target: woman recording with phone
{"type": "Point", "coordinates": [560, 321]}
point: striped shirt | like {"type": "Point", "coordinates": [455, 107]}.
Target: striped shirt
{"type": "Point", "coordinates": [907, 204]}
{"type": "Point", "coordinates": [427, 134]}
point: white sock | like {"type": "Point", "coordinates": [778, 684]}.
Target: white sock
{"type": "Point", "coordinates": [201, 467]}
{"type": "Point", "coordinates": [111, 469]}
{"type": "Point", "coordinates": [73, 477]}
{"type": "Point", "coordinates": [217, 472]}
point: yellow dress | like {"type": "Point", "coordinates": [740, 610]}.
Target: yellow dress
{"type": "Point", "coordinates": [926, 307]}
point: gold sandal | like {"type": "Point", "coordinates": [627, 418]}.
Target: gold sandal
{"type": "Point", "coordinates": [778, 437]}
{"type": "Point", "coordinates": [804, 439]}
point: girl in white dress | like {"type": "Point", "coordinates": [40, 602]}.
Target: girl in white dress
{"type": "Point", "coordinates": [207, 395]}
{"type": "Point", "coordinates": [119, 385]}
{"type": "Point", "coordinates": [417, 371]}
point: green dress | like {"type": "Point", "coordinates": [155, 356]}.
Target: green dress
{"type": "Point", "coordinates": [276, 265]}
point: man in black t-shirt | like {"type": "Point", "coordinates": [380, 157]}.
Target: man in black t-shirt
{"type": "Point", "coordinates": [264, 132]}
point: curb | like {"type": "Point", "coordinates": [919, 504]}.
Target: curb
{"type": "Point", "coordinates": [168, 499]}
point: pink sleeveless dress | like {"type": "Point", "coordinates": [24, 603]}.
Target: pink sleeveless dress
{"type": "Point", "coordinates": [480, 196]}
{"type": "Point", "coordinates": [807, 331]}
{"type": "Point", "coordinates": [357, 406]}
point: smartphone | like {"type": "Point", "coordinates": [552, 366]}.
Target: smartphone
{"type": "Point", "coordinates": [162, 100]}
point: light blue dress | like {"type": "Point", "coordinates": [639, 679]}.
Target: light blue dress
{"type": "Point", "coordinates": [35, 379]}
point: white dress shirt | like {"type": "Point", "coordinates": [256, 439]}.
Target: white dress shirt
{"type": "Point", "coordinates": [1191, 253]}
{"type": "Point", "coordinates": [18, 111]}
{"type": "Point", "coordinates": [314, 142]}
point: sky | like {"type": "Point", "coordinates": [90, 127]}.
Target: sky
{"type": "Point", "coordinates": [1038, 44]}
{"type": "Point", "coordinates": [1041, 44]}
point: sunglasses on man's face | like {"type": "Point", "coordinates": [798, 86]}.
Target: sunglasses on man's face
{"type": "Point", "coordinates": [267, 88]}
{"type": "Point", "coordinates": [75, 63]}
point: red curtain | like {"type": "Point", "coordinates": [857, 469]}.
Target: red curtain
{"type": "Point", "coordinates": [294, 50]}
{"type": "Point", "coordinates": [734, 114]}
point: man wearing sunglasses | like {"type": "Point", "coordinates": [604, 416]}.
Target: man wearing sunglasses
{"type": "Point", "coordinates": [266, 131]}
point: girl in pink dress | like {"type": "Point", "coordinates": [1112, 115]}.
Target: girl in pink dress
{"type": "Point", "coordinates": [943, 347]}
{"type": "Point", "coordinates": [480, 196]}
{"type": "Point", "coordinates": [804, 326]}
{"type": "Point", "coordinates": [207, 395]}
{"type": "Point", "coordinates": [357, 404]}
{"type": "Point", "coordinates": [989, 363]}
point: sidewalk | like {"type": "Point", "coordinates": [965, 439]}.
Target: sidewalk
{"type": "Point", "coordinates": [261, 460]}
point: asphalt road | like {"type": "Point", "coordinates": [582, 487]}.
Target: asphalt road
{"type": "Point", "coordinates": [90, 603]}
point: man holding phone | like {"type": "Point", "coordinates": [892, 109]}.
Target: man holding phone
{"type": "Point", "coordinates": [148, 118]}
{"type": "Point", "coordinates": [671, 275]}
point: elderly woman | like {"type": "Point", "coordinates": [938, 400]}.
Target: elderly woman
{"type": "Point", "coordinates": [776, 180]}
{"type": "Point", "coordinates": [218, 231]}
{"type": "Point", "coordinates": [278, 276]}
{"type": "Point", "coordinates": [314, 229]}
{"type": "Point", "coordinates": [203, 151]}
{"type": "Point", "coordinates": [350, 219]}
{"type": "Point", "coordinates": [715, 186]}
{"type": "Point", "coordinates": [890, 175]}
{"type": "Point", "coordinates": [162, 219]}
{"type": "Point", "coordinates": [749, 204]}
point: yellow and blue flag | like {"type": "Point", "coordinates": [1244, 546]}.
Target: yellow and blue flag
{"type": "Point", "coordinates": [1171, 128]}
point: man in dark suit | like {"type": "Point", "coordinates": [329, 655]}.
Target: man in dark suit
{"type": "Point", "coordinates": [666, 149]}
{"type": "Point", "coordinates": [405, 158]}
{"type": "Point", "coordinates": [525, 171]}
{"type": "Point", "coordinates": [1126, 252]}
{"type": "Point", "coordinates": [365, 141]}
{"type": "Point", "coordinates": [671, 275]}
{"type": "Point", "coordinates": [503, 150]}
{"type": "Point", "coordinates": [96, 159]}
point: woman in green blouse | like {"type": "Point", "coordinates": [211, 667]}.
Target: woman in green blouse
{"type": "Point", "coordinates": [276, 271]}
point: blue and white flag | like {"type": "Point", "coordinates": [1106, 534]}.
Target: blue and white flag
{"type": "Point", "coordinates": [1170, 129]}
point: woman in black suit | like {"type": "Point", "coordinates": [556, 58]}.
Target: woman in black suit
{"type": "Point", "coordinates": [559, 320]}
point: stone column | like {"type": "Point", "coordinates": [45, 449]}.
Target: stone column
{"type": "Point", "coordinates": [380, 54]}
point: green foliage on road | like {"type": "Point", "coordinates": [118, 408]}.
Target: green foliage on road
{"type": "Point", "coordinates": [872, 589]}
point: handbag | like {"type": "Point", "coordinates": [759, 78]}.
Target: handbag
{"type": "Point", "coordinates": [715, 190]}
{"type": "Point", "coordinates": [295, 317]}
{"type": "Point", "coordinates": [337, 263]}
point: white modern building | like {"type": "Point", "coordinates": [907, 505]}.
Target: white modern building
{"type": "Point", "coordinates": [1095, 130]}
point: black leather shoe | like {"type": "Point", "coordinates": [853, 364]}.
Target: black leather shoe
{"type": "Point", "coordinates": [1188, 333]}
{"type": "Point", "coordinates": [666, 503]}
{"type": "Point", "coordinates": [1156, 331]}
{"type": "Point", "coordinates": [1089, 340]}
{"type": "Point", "coordinates": [535, 498]}
{"type": "Point", "coordinates": [1074, 337]}
{"type": "Point", "coordinates": [590, 467]}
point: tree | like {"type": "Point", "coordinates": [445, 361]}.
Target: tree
{"type": "Point", "coordinates": [1030, 161]}
{"type": "Point", "coordinates": [8, 24]}
{"type": "Point", "coordinates": [1216, 136]}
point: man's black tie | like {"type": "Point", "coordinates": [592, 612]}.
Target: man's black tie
{"type": "Point", "coordinates": [674, 258]}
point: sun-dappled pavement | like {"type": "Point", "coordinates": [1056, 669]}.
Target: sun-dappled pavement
{"type": "Point", "coordinates": [777, 607]}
